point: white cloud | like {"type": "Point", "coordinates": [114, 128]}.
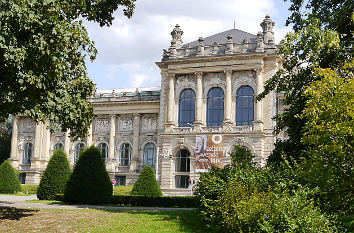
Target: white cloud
{"type": "Point", "coordinates": [129, 48]}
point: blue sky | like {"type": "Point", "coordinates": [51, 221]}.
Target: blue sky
{"type": "Point", "coordinates": [128, 50]}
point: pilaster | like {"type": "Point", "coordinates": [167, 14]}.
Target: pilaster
{"type": "Point", "coordinates": [67, 145]}
{"type": "Point", "coordinates": [14, 155]}
{"type": "Point", "coordinates": [228, 98]}
{"type": "Point", "coordinates": [199, 102]}
{"type": "Point", "coordinates": [170, 106]}
{"type": "Point", "coordinates": [135, 151]}
{"type": "Point", "coordinates": [89, 136]}
{"type": "Point", "coordinates": [37, 146]}
{"type": "Point", "coordinates": [258, 122]}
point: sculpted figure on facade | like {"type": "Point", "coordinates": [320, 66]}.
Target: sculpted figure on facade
{"type": "Point", "coordinates": [28, 125]}
{"type": "Point", "coordinates": [102, 124]}
{"type": "Point", "coordinates": [185, 81]}
{"type": "Point", "coordinates": [149, 122]}
{"type": "Point", "coordinates": [125, 122]}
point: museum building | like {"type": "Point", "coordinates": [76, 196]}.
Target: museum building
{"type": "Point", "coordinates": [204, 106]}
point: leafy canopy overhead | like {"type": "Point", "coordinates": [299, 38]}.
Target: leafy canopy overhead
{"type": "Point", "coordinates": [43, 47]}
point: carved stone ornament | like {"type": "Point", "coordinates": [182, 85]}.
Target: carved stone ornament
{"type": "Point", "coordinates": [28, 125]}
{"type": "Point", "coordinates": [180, 140]}
{"type": "Point", "coordinates": [216, 80]}
{"type": "Point", "coordinates": [23, 140]}
{"type": "Point", "coordinates": [126, 138]}
{"type": "Point", "coordinates": [102, 124]}
{"type": "Point", "coordinates": [185, 81]}
{"type": "Point", "coordinates": [149, 122]}
{"type": "Point", "coordinates": [125, 122]}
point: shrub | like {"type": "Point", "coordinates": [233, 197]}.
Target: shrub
{"type": "Point", "coordinates": [55, 176]}
{"type": "Point", "coordinates": [89, 183]}
{"type": "Point", "coordinates": [9, 182]}
{"type": "Point", "coordinates": [146, 185]}
{"type": "Point", "coordinates": [29, 188]}
{"type": "Point", "coordinates": [123, 190]}
{"type": "Point", "coordinates": [164, 201]}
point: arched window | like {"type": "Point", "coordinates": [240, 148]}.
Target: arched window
{"type": "Point", "coordinates": [27, 153]}
{"type": "Point", "coordinates": [183, 161]}
{"type": "Point", "coordinates": [125, 151]}
{"type": "Point", "coordinates": [78, 148]}
{"type": "Point", "coordinates": [215, 107]}
{"type": "Point", "coordinates": [59, 146]}
{"type": "Point", "coordinates": [244, 106]}
{"type": "Point", "coordinates": [149, 154]}
{"type": "Point", "coordinates": [104, 150]}
{"type": "Point", "coordinates": [186, 108]}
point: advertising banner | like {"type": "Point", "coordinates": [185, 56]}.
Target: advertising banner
{"type": "Point", "coordinates": [209, 151]}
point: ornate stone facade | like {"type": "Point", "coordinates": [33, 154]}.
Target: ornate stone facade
{"type": "Point", "coordinates": [135, 127]}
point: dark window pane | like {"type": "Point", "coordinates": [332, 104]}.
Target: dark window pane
{"type": "Point", "coordinates": [215, 107]}
{"type": "Point", "coordinates": [244, 106]}
{"type": "Point", "coordinates": [186, 108]}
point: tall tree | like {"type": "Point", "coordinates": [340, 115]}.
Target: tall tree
{"type": "Point", "coordinates": [322, 38]}
{"type": "Point", "coordinates": [43, 47]}
{"type": "Point", "coordinates": [5, 139]}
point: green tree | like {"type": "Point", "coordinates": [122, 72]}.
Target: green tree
{"type": "Point", "coordinates": [55, 176]}
{"type": "Point", "coordinates": [43, 47]}
{"type": "Point", "coordinates": [329, 132]}
{"type": "Point", "coordinates": [146, 185]}
{"type": "Point", "coordinates": [5, 139]}
{"type": "Point", "coordinates": [9, 182]}
{"type": "Point", "coordinates": [322, 38]}
{"type": "Point", "coordinates": [89, 183]}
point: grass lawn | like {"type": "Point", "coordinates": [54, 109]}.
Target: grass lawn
{"type": "Point", "coordinates": [49, 220]}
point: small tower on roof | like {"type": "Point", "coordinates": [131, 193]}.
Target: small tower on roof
{"type": "Point", "coordinates": [268, 34]}
{"type": "Point", "coordinates": [176, 37]}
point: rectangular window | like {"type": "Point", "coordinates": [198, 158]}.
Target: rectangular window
{"type": "Point", "coordinates": [22, 178]}
{"type": "Point", "coordinates": [120, 180]}
{"type": "Point", "coordinates": [182, 181]}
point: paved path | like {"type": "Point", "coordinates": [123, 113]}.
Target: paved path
{"type": "Point", "coordinates": [20, 202]}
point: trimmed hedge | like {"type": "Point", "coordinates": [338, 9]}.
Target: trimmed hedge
{"type": "Point", "coordinates": [165, 201]}
{"type": "Point", "coordinates": [146, 185]}
{"type": "Point", "coordinates": [29, 188]}
{"type": "Point", "coordinates": [89, 183]}
{"type": "Point", "coordinates": [9, 182]}
{"type": "Point", "coordinates": [55, 176]}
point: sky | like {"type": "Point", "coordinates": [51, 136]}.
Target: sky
{"type": "Point", "coordinates": [129, 48]}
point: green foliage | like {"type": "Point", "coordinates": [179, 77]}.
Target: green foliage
{"type": "Point", "coordinates": [55, 176]}
{"type": "Point", "coordinates": [146, 185]}
{"type": "Point", "coordinates": [30, 189]}
{"type": "Point", "coordinates": [5, 139]}
{"type": "Point", "coordinates": [163, 201]}
{"type": "Point", "coordinates": [89, 183]}
{"type": "Point", "coordinates": [9, 182]}
{"type": "Point", "coordinates": [243, 210]}
{"type": "Point", "coordinates": [123, 190]}
{"type": "Point", "coordinates": [329, 132]}
{"type": "Point", "coordinates": [43, 49]}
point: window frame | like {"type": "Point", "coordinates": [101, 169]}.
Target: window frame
{"type": "Point", "coordinates": [180, 159]}
{"type": "Point", "coordinates": [27, 153]}
{"type": "Point", "coordinates": [186, 108]}
{"type": "Point", "coordinates": [146, 160]}
{"type": "Point", "coordinates": [240, 110]}
{"type": "Point", "coordinates": [58, 147]}
{"type": "Point", "coordinates": [105, 152]}
{"type": "Point", "coordinates": [78, 148]}
{"type": "Point", "coordinates": [215, 107]}
{"type": "Point", "coordinates": [123, 156]}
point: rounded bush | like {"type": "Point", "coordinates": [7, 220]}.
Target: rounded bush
{"type": "Point", "coordinates": [146, 185]}
{"type": "Point", "coordinates": [55, 176]}
{"type": "Point", "coordinates": [89, 183]}
{"type": "Point", "coordinates": [9, 182]}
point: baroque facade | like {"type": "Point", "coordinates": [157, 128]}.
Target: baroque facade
{"type": "Point", "coordinates": [207, 93]}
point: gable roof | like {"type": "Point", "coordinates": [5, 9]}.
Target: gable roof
{"type": "Point", "coordinates": [237, 37]}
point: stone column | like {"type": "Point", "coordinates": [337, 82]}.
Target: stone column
{"type": "Point", "coordinates": [171, 97]}
{"type": "Point", "coordinates": [112, 134]}
{"type": "Point", "coordinates": [46, 142]}
{"type": "Point", "coordinates": [199, 102]}
{"type": "Point", "coordinates": [228, 98]}
{"type": "Point", "coordinates": [67, 145]}
{"type": "Point", "coordinates": [258, 122]}
{"type": "Point", "coordinates": [14, 155]}
{"type": "Point", "coordinates": [37, 145]}
{"type": "Point", "coordinates": [89, 136]}
{"type": "Point", "coordinates": [135, 151]}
